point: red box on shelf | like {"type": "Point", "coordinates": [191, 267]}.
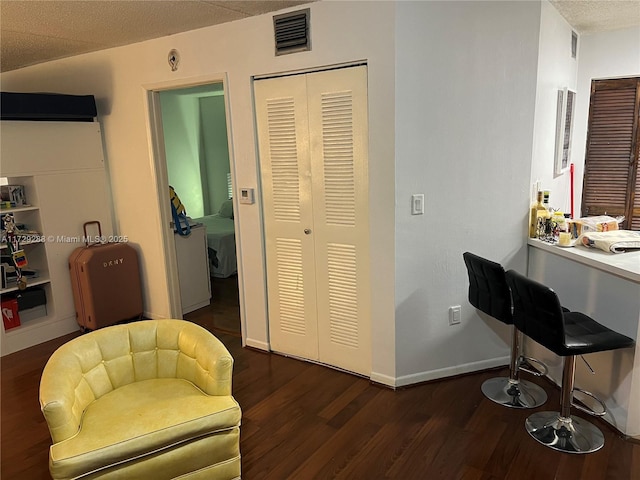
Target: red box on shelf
{"type": "Point", "coordinates": [10, 315]}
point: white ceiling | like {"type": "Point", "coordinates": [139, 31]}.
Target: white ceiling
{"type": "Point", "coordinates": [33, 31]}
{"type": "Point", "coordinates": [590, 16]}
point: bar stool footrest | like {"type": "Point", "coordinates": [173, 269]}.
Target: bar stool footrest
{"type": "Point", "coordinates": [524, 364]}
{"type": "Point", "coordinates": [588, 410]}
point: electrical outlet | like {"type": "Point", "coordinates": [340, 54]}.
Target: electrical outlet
{"type": "Point", "coordinates": [454, 315]}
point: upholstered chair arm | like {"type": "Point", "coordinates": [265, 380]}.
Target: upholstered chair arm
{"type": "Point", "coordinates": [62, 398]}
{"type": "Point", "coordinates": [205, 361]}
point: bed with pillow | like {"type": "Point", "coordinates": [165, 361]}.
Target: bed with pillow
{"type": "Point", "coordinates": [221, 241]}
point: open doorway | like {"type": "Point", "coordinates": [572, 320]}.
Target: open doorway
{"type": "Point", "coordinates": [191, 126]}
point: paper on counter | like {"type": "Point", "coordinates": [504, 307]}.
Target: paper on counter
{"type": "Point", "coordinates": [615, 241]}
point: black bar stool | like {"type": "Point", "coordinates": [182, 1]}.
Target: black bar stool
{"type": "Point", "coordinates": [538, 314]}
{"type": "Point", "coordinates": [489, 293]}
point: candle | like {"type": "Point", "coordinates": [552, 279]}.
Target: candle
{"type": "Point", "coordinates": [564, 239]}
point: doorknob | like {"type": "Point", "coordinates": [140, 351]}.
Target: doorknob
{"type": "Point", "coordinates": [307, 231]}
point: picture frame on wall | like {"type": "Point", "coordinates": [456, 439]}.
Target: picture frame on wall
{"type": "Point", "coordinates": [564, 129]}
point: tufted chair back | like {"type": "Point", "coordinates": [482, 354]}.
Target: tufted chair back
{"type": "Point", "coordinates": [106, 359]}
{"type": "Point", "coordinates": [537, 313]}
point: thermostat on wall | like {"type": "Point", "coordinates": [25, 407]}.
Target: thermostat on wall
{"type": "Point", "coordinates": [246, 196]}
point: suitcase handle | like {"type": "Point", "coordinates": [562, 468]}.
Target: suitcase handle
{"type": "Point", "coordinates": [86, 237]}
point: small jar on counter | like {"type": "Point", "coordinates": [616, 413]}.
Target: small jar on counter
{"type": "Point", "coordinates": [560, 222]}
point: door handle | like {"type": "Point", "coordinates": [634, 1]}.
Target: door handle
{"type": "Point", "coordinates": [307, 231]}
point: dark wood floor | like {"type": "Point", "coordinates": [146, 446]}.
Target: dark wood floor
{"type": "Point", "coordinates": [305, 421]}
{"type": "Point", "coordinates": [223, 313]}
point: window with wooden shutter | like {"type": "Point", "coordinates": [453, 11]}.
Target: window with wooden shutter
{"type": "Point", "coordinates": [611, 180]}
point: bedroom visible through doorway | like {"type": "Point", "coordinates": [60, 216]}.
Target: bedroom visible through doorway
{"type": "Point", "coordinates": [198, 168]}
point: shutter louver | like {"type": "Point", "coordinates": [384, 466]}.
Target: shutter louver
{"type": "Point", "coordinates": [610, 183]}
{"type": "Point", "coordinates": [292, 32]}
{"type": "Point", "coordinates": [635, 214]}
{"type": "Point", "coordinates": [337, 146]}
{"type": "Point", "coordinates": [343, 294]}
{"type": "Point", "coordinates": [290, 285]}
{"type": "Point", "coordinates": [284, 158]}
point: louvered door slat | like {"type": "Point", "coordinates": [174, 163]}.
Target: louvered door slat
{"type": "Point", "coordinates": [290, 285]}
{"type": "Point", "coordinates": [337, 145]}
{"type": "Point", "coordinates": [281, 129]}
{"type": "Point", "coordinates": [635, 216]}
{"type": "Point", "coordinates": [343, 295]}
{"type": "Point", "coordinates": [610, 183]}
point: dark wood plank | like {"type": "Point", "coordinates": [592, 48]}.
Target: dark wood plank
{"type": "Point", "coordinates": [25, 437]}
{"type": "Point", "coordinates": [223, 313]}
{"type": "Point", "coordinates": [307, 421]}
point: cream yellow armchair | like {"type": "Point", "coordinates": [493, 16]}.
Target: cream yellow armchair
{"type": "Point", "coordinates": [144, 400]}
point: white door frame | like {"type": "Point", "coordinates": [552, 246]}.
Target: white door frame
{"type": "Point", "coordinates": [161, 180]}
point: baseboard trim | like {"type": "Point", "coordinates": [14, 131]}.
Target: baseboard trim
{"type": "Point", "coordinates": [260, 345]}
{"type": "Point", "coordinates": [29, 335]}
{"type": "Point", "coordinates": [451, 371]}
{"type": "Point", "coordinates": [383, 379]}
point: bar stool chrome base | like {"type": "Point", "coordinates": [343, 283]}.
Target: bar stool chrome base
{"type": "Point", "coordinates": [565, 434]}
{"type": "Point", "coordinates": [518, 394]}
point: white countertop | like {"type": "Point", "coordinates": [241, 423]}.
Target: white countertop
{"type": "Point", "coordinates": [626, 265]}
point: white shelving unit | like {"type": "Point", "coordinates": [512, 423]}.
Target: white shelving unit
{"type": "Point", "coordinates": [35, 251]}
{"type": "Point", "coordinates": [61, 165]}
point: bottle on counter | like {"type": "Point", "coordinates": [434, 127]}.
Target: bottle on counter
{"type": "Point", "coordinates": [538, 212]}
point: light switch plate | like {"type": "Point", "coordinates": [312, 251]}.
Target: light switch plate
{"type": "Point", "coordinates": [454, 315]}
{"type": "Point", "coordinates": [417, 204]}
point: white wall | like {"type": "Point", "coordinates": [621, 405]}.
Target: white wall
{"type": "Point", "coordinates": [556, 70]}
{"type": "Point", "coordinates": [614, 54]}
{"type": "Point", "coordinates": [465, 99]}
{"type": "Point", "coordinates": [341, 32]}
{"type": "Point", "coordinates": [181, 128]}
{"type": "Point", "coordinates": [216, 149]}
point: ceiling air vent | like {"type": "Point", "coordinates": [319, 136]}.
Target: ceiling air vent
{"type": "Point", "coordinates": [292, 32]}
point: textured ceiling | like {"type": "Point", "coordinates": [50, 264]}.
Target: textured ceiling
{"type": "Point", "coordinates": [37, 31]}
{"type": "Point", "coordinates": [589, 16]}
{"type": "Point", "coordinates": [34, 31]}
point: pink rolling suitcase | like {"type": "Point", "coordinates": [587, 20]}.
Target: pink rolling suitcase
{"type": "Point", "coordinates": [105, 279]}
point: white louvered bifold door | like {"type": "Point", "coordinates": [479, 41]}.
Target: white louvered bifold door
{"type": "Point", "coordinates": [338, 126]}
{"type": "Point", "coordinates": [283, 138]}
{"type": "Point", "coordinates": [312, 132]}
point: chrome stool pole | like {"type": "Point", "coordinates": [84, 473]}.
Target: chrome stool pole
{"type": "Point", "coordinates": [512, 391]}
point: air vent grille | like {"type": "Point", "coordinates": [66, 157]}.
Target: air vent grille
{"type": "Point", "coordinates": [292, 32]}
